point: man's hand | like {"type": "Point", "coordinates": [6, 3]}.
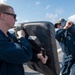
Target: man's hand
{"type": "Point", "coordinates": [43, 59]}
{"type": "Point", "coordinates": [68, 25]}
{"type": "Point", "coordinates": [21, 33]}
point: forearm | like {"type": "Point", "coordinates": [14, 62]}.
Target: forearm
{"type": "Point", "coordinates": [16, 53]}
{"type": "Point", "coordinates": [59, 33]}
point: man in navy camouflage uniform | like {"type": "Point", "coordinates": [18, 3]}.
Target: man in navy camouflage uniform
{"type": "Point", "coordinates": [66, 39]}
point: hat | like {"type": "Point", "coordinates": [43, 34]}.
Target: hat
{"type": "Point", "coordinates": [62, 21]}
{"type": "Point", "coordinates": [58, 22]}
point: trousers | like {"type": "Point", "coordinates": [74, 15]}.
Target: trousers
{"type": "Point", "coordinates": [68, 65]}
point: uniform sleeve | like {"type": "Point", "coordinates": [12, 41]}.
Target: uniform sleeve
{"type": "Point", "coordinates": [34, 57]}
{"type": "Point", "coordinates": [15, 53]}
{"type": "Point", "coordinates": [59, 34]}
{"type": "Point", "coordinates": [72, 29]}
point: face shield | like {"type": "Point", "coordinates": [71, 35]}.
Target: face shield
{"type": "Point", "coordinates": [63, 22]}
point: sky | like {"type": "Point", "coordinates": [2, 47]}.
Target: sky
{"type": "Point", "coordinates": [42, 10]}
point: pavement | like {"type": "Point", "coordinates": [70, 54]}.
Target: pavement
{"type": "Point", "coordinates": [29, 71]}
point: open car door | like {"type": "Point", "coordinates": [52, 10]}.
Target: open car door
{"type": "Point", "coordinates": [41, 35]}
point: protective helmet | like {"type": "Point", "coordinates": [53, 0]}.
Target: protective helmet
{"type": "Point", "coordinates": [62, 21]}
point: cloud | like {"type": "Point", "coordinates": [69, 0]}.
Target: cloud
{"type": "Point", "coordinates": [37, 3]}
{"type": "Point", "coordinates": [59, 10]}
{"type": "Point", "coordinates": [48, 6]}
{"type": "Point", "coordinates": [3, 1]}
{"type": "Point", "coordinates": [52, 17]}
{"type": "Point", "coordinates": [72, 18]}
{"type": "Point", "coordinates": [26, 20]}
